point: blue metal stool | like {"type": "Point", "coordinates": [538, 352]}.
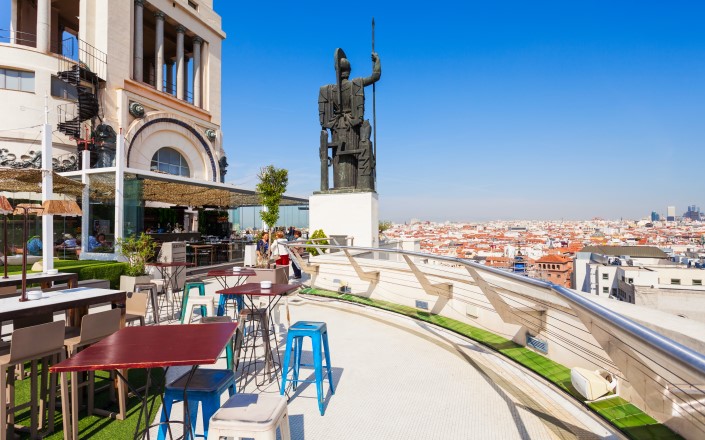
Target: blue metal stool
{"type": "Point", "coordinates": [318, 332]}
{"type": "Point", "coordinates": [205, 387]}
{"type": "Point", "coordinates": [201, 286]}
{"type": "Point", "coordinates": [222, 304]}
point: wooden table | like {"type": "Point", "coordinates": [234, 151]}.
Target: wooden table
{"type": "Point", "coordinates": [203, 247]}
{"type": "Point", "coordinates": [12, 309]}
{"type": "Point", "coordinates": [144, 347]}
{"type": "Point", "coordinates": [222, 276]}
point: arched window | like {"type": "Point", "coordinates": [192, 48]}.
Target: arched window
{"type": "Point", "coordinates": [167, 160]}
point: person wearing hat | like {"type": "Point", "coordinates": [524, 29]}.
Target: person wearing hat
{"type": "Point", "coordinates": [69, 241]}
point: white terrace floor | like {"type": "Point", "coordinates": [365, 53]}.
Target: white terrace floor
{"type": "Point", "coordinates": [397, 378]}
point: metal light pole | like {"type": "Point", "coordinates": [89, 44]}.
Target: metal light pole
{"type": "Point", "coordinates": [47, 190]}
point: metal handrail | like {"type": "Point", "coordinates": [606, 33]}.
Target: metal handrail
{"type": "Point", "coordinates": [672, 349]}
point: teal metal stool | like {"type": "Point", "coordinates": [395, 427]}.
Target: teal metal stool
{"type": "Point", "coordinates": [201, 286]}
{"type": "Point", "coordinates": [318, 333]}
{"type": "Point", "coordinates": [229, 347]}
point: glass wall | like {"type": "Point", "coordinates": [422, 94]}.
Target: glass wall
{"type": "Point", "coordinates": [247, 217]}
{"type": "Point", "coordinates": [133, 218]}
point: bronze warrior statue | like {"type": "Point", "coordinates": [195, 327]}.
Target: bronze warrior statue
{"type": "Point", "coordinates": [341, 109]}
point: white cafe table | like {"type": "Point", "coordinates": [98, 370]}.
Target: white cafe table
{"type": "Point", "coordinates": [78, 298]}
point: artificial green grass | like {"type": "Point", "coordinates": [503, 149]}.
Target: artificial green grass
{"type": "Point", "coordinates": [632, 421]}
{"type": "Point", "coordinates": [97, 427]}
{"type": "Point", "coordinates": [86, 270]}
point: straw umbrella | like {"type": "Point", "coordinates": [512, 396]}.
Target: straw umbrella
{"type": "Point", "coordinates": [49, 207]}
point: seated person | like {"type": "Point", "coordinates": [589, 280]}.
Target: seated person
{"type": "Point", "coordinates": [34, 246]}
{"type": "Point", "coordinates": [96, 242]}
{"type": "Point", "coordinates": [68, 242]}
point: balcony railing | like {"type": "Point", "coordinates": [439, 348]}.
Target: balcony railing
{"type": "Point", "coordinates": [70, 52]}
{"type": "Point", "coordinates": [663, 375]}
{"type": "Point", "coordinates": [17, 37]}
{"type": "Point", "coordinates": [76, 52]}
{"type": "Point", "coordinates": [171, 89]}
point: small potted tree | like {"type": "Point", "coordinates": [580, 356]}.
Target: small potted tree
{"type": "Point", "coordinates": [137, 250]}
{"type": "Point", "coordinates": [270, 189]}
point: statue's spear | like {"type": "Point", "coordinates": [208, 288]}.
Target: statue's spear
{"type": "Point", "coordinates": [340, 84]}
{"type": "Point", "coordinates": [374, 104]}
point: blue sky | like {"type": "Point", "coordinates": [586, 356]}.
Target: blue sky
{"type": "Point", "coordinates": [485, 110]}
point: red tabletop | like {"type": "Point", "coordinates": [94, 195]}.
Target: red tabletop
{"type": "Point", "coordinates": [153, 346]}
{"type": "Point", "coordinates": [255, 289]}
{"type": "Point", "coordinates": [231, 273]}
{"type": "Point", "coordinates": [172, 264]}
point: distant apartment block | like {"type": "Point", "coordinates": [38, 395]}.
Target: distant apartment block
{"type": "Point", "coordinates": [555, 268]}
{"type": "Point", "coordinates": [643, 275]}
{"type": "Point", "coordinates": [596, 266]}
{"type": "Point", "coordinates": [678, 290]}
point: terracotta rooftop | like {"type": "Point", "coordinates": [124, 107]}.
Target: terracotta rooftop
{"type": "Point", "coordinates": [553, 259]}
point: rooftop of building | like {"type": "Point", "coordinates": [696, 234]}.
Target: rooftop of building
{"type": "Point", "coordinates": [553, 258]}
{"type": "Point", "coordinates": [632, 251]}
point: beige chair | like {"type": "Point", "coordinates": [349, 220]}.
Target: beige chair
{"type": "Point", "coordinates": [94, 328]}
{"type": "Point", "coordinates": [31, 344]}
{"type": "Point", "coordinates": [136, 307]}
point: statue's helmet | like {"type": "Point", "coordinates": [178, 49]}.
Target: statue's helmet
{"type": "Point", "coordinates": [342, 64]}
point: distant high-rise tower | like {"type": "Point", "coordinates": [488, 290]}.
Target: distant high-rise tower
{"type": "Point", "coordinates": [655, 216]}
{"type": "Point", "coordinates": [671, 214]}
{"type": "Point", "coordinates": [693, 213]}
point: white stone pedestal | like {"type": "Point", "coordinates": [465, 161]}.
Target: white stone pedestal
{"type": "Point", "coordinates": [355, 214]}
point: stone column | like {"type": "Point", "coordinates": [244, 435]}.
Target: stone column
{"type": "Point", "coordinates": [170, 77]}
{"type": "Point", "coordinates": [186, 58]}
{"type": "Point", "coordinates": [197, 71]}
{"type": "Point", "coordinates": [43, 24]}
{"type": "Point", "coordinates": [180, 67]}
{"type": "Point", "coordinates": [13, 21]}
{"type": "Point", "coordinates": [159, 51]}
{"type": "Point", "coordinates": [139, 40]}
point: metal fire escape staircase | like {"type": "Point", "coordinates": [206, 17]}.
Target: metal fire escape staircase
{"type": "Point", "coordinates": [85, 70]}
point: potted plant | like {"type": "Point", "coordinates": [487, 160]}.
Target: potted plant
{"type": "Point", "coordinates": [137, 250]}
{"type": "Point", "coordinates": [270, 189]}
{"type": "Point", "coordinates": [316, 238]}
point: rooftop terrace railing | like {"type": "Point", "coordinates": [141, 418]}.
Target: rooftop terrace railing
{"type": "Point", "coordinates": [657, 358]}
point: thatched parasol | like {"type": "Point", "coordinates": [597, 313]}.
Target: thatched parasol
{"type": "Point", "coordinates": [13, 180]}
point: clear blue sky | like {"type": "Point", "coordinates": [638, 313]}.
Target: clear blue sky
{"type": "Point", "coordinates": [485, 110]}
